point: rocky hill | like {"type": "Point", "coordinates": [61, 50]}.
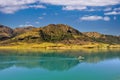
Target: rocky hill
{"type": "Point", "coordinates": [110, 39]}
{"type": "Point", "coordinates": [93, 34]}
{"type": "Point", "coordinates": [5, 32]}
{"type": "Point", "coordinates": [55, 33]}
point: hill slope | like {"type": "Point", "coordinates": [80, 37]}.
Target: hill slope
{"type": "Point", "coordinates": [55, 33]}
{"type": "Point", "coordinates": [110, 39]}
{"type": "Point", "coordinates": [21, 30]}
{"type": "Point", "coordinates": [5, 32]}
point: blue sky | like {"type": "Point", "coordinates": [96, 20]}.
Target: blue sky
{"type": "Point", "coordinates": [85, 15]}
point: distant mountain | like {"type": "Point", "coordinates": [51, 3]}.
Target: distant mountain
{"type": "Point", "coordinates": [55, 33]}
{"type": "Point", "coordinates": [110, 39]}
{"type": "Point", "coordinates": [5, 32]}
{"type": "Point", "coordinates": [93, 34]}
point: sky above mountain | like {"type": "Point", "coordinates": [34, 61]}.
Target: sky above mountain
{"type": "Point", "coordinates": [85, 15]}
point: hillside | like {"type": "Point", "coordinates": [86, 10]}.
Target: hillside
{"type": "Point", "coordinates": [55, 33]}
{"type": "Point", "coordinates": [5, 32]}
{"type": "Point", "coordinates": [21, 30]}
{"type": "Point", "coordinates": [93, 34]}
{"type": "Point", "coordinates": [110, 39]}
{"type": "Point", "coordinates": [52, 33]}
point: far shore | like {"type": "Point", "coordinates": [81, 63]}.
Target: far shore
{"type": "Point", "coordinates": [57, 46]}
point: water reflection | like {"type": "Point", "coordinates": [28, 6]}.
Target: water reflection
{"type": "Point", "coordinates": [53, 60]}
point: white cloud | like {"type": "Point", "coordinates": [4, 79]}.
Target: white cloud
{"type": "Point", "coordinates": [25, 25]}
{"type": "Point", "coordinates": [74, 8]}
{"type": "Point", "coordinates": [117, 9]}
{"type": "Point", "coordinates": [82, 2]}
{"type": "Point", "coordinates": [106, 18]}
{"type": "Point", "coordinates": [94, 18]}
{"type": "Point", "coordinates": [11, 6]}
{"type": "Point", "coordinates": [40, 17]}
{"type": "Point", "coordinates": [107, 9]}
{"type": "Point", "coordinates": [112, 13]}
{"type": "Point", "coordinates": [37, 22]}
{"type": "Point", "coordinates": [36, 6]}
{"type": "Point", "coordinates": [12, 9]}
{"type": "Point", "coordinates": [91, 10]}
{"type": "Point", "coordinates": [4, 3]}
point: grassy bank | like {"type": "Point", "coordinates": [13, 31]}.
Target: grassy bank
{"type": "Point", "coordinates": [46, 45]}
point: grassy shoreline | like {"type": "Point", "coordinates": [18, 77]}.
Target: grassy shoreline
{"type": "Point", "coordinates": [56, 46]}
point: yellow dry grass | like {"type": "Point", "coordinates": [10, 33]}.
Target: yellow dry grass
{"type": "Point", "coordinates": [47, 45]}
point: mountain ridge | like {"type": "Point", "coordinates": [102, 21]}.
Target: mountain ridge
{"type": "Point", "coordinates": [55, 33]}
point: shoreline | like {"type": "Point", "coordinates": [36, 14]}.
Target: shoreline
{"type": "Point", "coordinates": [57, 46]}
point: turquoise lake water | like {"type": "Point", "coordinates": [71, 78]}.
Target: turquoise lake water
{"type": "Point", "coordinates": [59, 65]}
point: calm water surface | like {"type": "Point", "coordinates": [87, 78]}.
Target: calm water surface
{"type": "Point", "coordinates": [59, 65]}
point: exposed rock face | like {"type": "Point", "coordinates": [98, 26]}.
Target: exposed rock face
{"type": "Point", "coordinates": [5, 32]}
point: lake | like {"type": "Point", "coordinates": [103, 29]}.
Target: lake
{"type": "Point", "coordinates": [60, 65]}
